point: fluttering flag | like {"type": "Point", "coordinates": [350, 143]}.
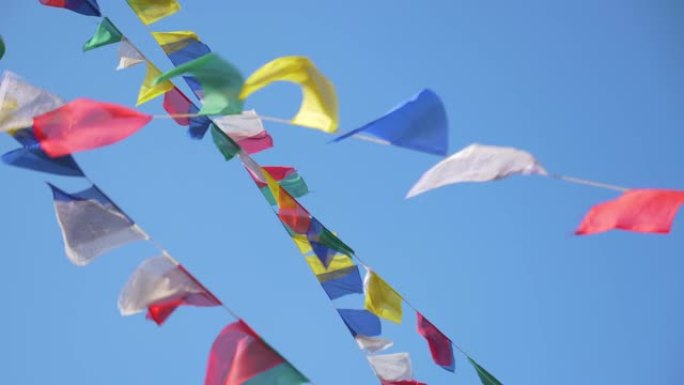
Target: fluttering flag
{"type": "Point", "coordinates": [84, 7]}
{"type": "Point", "coordinates": [221, 83]}
{"type": "Point", "coordinates": [20, 102]}
{"type": "Point", "coordinates": [403, 382]}
{"type": "Point", "coordinates": [392, 367]}
{"type": "Point", "coordinates": [319, 108]}
{"type": "Point", "coordinates": [247, 130]}
{"type": "Point", "coordinates": [226, 146]}
{"type": "Point", "coordinates": [183, 112]}
{"type": "Point", "coordinates": [325, 243]}
{"type": "Point", "coordinates": [160, 286]}
{"type": "Point", "coordinates": [477, 163]}
{"type": "Point", "coordinates": [85, 124]}
{"type": "Point", "coordinates": [150, 89]}
{"type": "Point", "coordinates": [128, 55]}
{"type": "Point", "coordinates": [92, 224]}
{"type": "Point", "coordinates": [440, 345]}
{"type": "Point", "coordinates": [182, 47]}
{"type": "Point", "coordinates": [340, 278]}
{"type": "Point", "coordinates": [2, 47]}
{"type": "Point", "coordinates": [106, 33]}
{"type": "Point", "coordinates": [239, 356]}
{"type": "Point", "coordinates": [361, 322]}
{"type": "Point", "coordinates": [288, 178]}
{"type": "Point", "coordinates": [381, 299]}
{"type": "Point", "coordinates": [150, 11]}
{"type": "Point", "coordinates": [419, 124]}
{"type": "Point", "coordinates": [290, 212]}
{"type": "Point", "coordinates": [32, 157]}
{"type": "Point", "coordinates": [373, 344]}
{"type": "Point", "coordinates": [646, 211]}
{"type": "Point", "coordinates": [485, 377]}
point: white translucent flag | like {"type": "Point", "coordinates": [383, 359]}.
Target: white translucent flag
{"type": "Point", "coordinates": [128, 55]}
{"type": "Point", "coordinates": [92, 224]}
{"type": "Point", "coordinates": [373, 344]}
{"type": "Point", "coordinates": [20, 102]}
{"type": "Point", "coordinates": [392, 367]}
{"type": "Point", "coordinates": [239, 127]}
{"type": "Point", "coordinates": [477, 163]}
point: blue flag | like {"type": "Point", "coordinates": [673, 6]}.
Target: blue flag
{"type": "Point", "coordinates": [361, 322]}
{"type": "Point", "coordinates": [342, 282]}
{"type": "Point", "coordinates": [32, 157]}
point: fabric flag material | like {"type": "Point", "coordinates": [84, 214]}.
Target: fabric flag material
{"type": "Point", "coordinates": [20, 102]}
{"type": "Point", "coordinates": [160, 285]}
{"type": "Point", "coordinates": [373, 344]}
{"type": "Point", "coordinates": [646, 211]}
{"type": "Point", "coordinates": [341, 277]}
{"type": "Point", "coordinates": [361, 322]}
{"type": "Point", "coordinates": [324, 243]}
{"type": "Point", "coordinates": [226, 146]}
{"type": "Point", "coordinates": [485, 377]}
{"type": "Point", "coordinates": [150, 11]}
{"type": "Point", "coordinates": [182, 47]}
{"type": "Point", "coordinates": [392, 367]}
{"type": "Point", "coordinates": [287, 177]}
{"type": "Point", "coordinates": [92, 224]}
{"type": "Point", "coordinates": [84, 7]}
{"type": "Point", "coordinates": [32, 157]}
{"type": "Point", "coordinates": [2, 47]}
{"type": "Point", "coordinates": [405, 382]}
{"type": "Point", "coordinates": [477, 163]}
{"type": "Point", "coordinates": [239, 356]}
{"type": "Point", "coordinates": [247, 130]}
{"type": "Point", "coordinates": [85, 124]}
{"type": "Point", "coordinates": [128, 55]}
{"type": "Point", "coordinates": [221, 83]}
{"type": "Point", "coordinates": [106, 33]}
{"type": "Point", "coordinates": [440, 345]}
{"type": "Point", "coordinates": [290, 212]}
{"type": "Point", "coordinates": [419, 124]}
{"type": "Point", "coordinates": [149, 89]}
{"type": "Point", "coordinates": [182, 111]}
{"type": "Point", "coordinates": [381, 299]}
{"type": "Point", "coordinates": [319, 108]}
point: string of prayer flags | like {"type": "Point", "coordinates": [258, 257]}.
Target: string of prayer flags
{"type": "Point", "coordinates": [151, 11]}
{"type": "Point", "coordinates": [20, 102]}
{"type": "Point", "coordinates": [485, 377]}
{"type": "Point", "coordinates": [160, 285]}
{"type": "Point", "coordinates": [247, 130]}
{"type": "Point", "coordinates": [440, 345]}
{"type": "Point", "coordinates": [106, 33]}
{"type": "Point", "coordinates": [319, 108]}
{"type": "Point", "coordinates": [92, 224]}
{"type": "Point", "coordinates": [221, 83]}
{"type": "Point", "coordinates": [361, 322]}
{"type": "Point", "coordinates": [239, 356]}
{"type": "Point", "coordinates": [381, 299]}
{"type": "Point", "coordinates": [84, 7]}
{"type": "Point", "coordinates": [419, 124]}
{"type": "Point", "coordinates": [288, 178]}
{"type": "Point", "coordinates": [85, 124]}
{"type": "Point", "coordinates": [646, 211]}
{"type": "Point", "coordinates": [150, 89]}
{"type": "Point", "coordinates": [392, 367]}
{"type": "Point", "coordinates": [128, 55]}
{"type": "Point", "coordinates": [182, 47]}
{"type": "Point", "coordinates": [2, 47]}
{"type": "Point", "coordinates": [31, 156]}
{"type": "Point", "coordinates": [477, 163]}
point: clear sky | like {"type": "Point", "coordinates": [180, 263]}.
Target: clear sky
{"type": "Point", "coordinates": [594, 89]}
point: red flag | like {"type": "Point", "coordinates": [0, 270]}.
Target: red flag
{"type": "Point", "coordinates": [177, 105]}
{"type": "Point", "coordinates": [646, 211]}
{"type": "Point", "coordinates": [85, 124]}
{"type": "Point", "coordinates": [440, 345]}
{"type": "Point", "coordinates": [292, 213]}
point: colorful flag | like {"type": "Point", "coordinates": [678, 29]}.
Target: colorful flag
{"type": "Point", "coordinates": [287, 177]}
{"type": "Point", "coordinates": [32, 157]}
{"type": "Point", "coordinates": [646, 211]}
{"type": "Point", "coordinates": [373, 344]}
{"type": "Point", "coordinates": [150, 11]}
{"type": "Point", "coordinates": [184, 113]}
{"type": "Point", "coordinates": [324, 243]}
{"type": "Point", "coordinates": [392, 367]}
{"type": "Point", "coordinates": [485, 377]}
{"type": "Point", "coordinates": [290, 212]}
{"type": "Point", "coordinates": [340, 278]}
{"type": "Point", "coordinates": [319, 107]}
{"type": "Point", "coordinates": [149, 89]}
{"type": "Point", "coordinates": [20, 102]}
{"type": "Point", "coordinates": [92, 224]}
{"type": "Point", "coordinates": [221, 83]}
{"type": "Point", "coordinates": [477, 163]}
{"type": "Point", "coordinates": [440, 345]}
{"type": "Point", "coordinates": [160, 285]}
{"type": "Point", "coordinates": [106, 33]}
{"type": "Point", "coordinates": [84, 7]}
{"type": "Point", "coordinates": [239, 356]}
{"type": "Point", "coordinates": [419, 124]}
{"type": "Point", "coordinates": [247, 130]}
{"type": "Point", "coordinates": [85, 124]}
{"type": "Point", "coordinates": [224, 143]}
{"type": "Point", "coordinates": [381, 299]}
{"type": "Point", "coordinates": [128, 55]}
{"type": "Point", "coordinates": [361, 322]}
{"type": "Point", "coordinates": [182, 47]}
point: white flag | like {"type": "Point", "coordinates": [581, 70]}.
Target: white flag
{"type": "Point", "coordinates": [128, 55]}
{"type": "Point", "coordinates": [392, 367]}
{"type": "Point", "coordinates": [373, 344]}
{"type": "Point", "coordinates": [20, 102]}
{"type": "Point", "coordinates": [239, 127]}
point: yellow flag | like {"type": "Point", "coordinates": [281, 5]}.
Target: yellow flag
{"type": "Point", "coordinates": [339, 262]}
{"type": "Point", "coordinates": [148, 91]}
{"type": "Point", "coordinates": [381, 299]}
{"type": "Point", "coordinates": [302, 244]}
{"type": "Point", "coordinates": [174, 41]}
{"type": "Point", "coordinates": [150, 11]}
{"type": "Point", "coordinates": [319, 107]}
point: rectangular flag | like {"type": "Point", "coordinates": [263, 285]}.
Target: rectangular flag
{"type": "Point", "coordinates": [381, 299]}
{"type": "Point", "coordinates": [440, 345]}
{"type": "Point", "coordinates": [151, 11]}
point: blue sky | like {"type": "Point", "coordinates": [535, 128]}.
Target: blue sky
{"type": "Point", "coordinates": [593, 89]}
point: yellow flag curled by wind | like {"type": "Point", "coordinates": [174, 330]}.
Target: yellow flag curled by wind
{"type": "Point", "coordinates": [319, 107]}
{"type": "Point", "coordinates": [381, 299]}
{"type": "Point", "coordinates": [150, 11]}
{"type": "Point", "coordinates": [148, 90]}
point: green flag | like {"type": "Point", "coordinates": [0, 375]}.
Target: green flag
{"type": "Point", "coordinates": [224, 143]}
{"type": "Point", "coordinates": [485, 377]}
{"type": "Point", "coordinates": [106, 33]}
{"type": "Point", "coordinates": [221, 83]}
{"type": "Point", "coordinates": [283, 374]}
{"type": "Point", "coordinates": [2, 47]}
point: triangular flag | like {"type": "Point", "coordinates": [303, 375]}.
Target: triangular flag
{"type": "Point", "coordinates": [32, 157]}
{"type": "Point", "coordinates": [381, 299]}
{"type": "Point", "coordinates": [373, 344]}
{"type": "Point", "coordinates": [340, 278]}
{"type": "Point", "coordinates": [84, 7]}
{"type": "Point", "coordinates": [361, 322]}
{"type": "Point", "coordinates": [150, 11]}
{"type": "Point", "coordinates": [106, 33]}
{"type": "Point", "coordinates": [149, 89]}
{"type": "Point", "coordinates": [20, 102]}
{"type": "Point", "coordinates": [440, 345]}
{"type": "Point", "coordinates": [485, 377]}
{"type": "Point", "coordinates": [128, 55]}
{"type": "Point", "coordinates": [224, 143]}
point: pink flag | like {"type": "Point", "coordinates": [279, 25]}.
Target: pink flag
{"type": "Point", "coordinates": [178, 105]}
{"type": "Point", "coordinates": [405, 382]}
{"type": "Point", "coordinates": [646, 211]}
{"type": "Point", "coordinates": [440, 345]}
{"type": "Point", "coordinates": [85, 124]}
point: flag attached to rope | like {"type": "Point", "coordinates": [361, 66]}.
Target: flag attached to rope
{"type": "Point", "coordinates": [84, 7]}
{"type": "Point", "coordinates": [381, 299]}
{"type": "Point", "coordinates": [149, 89]}
{"type": "Point", "coordinates": [159, 285]}
{"type": "Point", "coordinates": [247, 130]}
{"type": "Point", "coordinates": [106, 33]}
{"type": "Point", "coordinates": [92, 224]}
{"type": "Point", "coordinates": [392, 367]}
{"type": "Point", "coordinates": [419, 124]}
{"type": "Point", "coordinates": [20, 102]}
{"type": "Point", "coordinates": [325, 243]}
{"type": "Point", "coordinates": [373, 344]}
{"type": "Point", "coordinates": [184, 112]}
{"type": "Point", "coordinates": [32, 157]}
{"type": "Point", "coordinates": [646, 211]}
{"type": "Point", "coordinates": [361, 322]}
{"type": "Point", "coordinates": [128, 55]}
{"type": "Point", "coordinates": [182, 47]}
{"type": "Point", "coordinates": [151, 11]}
{"type": "Point", "coordinates": [85, 124]}
{"type": "Point", "coordinates": [485, 377]}
{"type": "Point", "coordinates": [226, 146]}
{"type": "Point", "coordinates": [287, 177]}
{"type": "Point", "coordinates": [477, 163]}
{"type": "Point", "coordinates": [340, 278]}
{"type": "Point", "coordinates": [440, 345]}
{"type": "Point", "coordinates": [319, 108]}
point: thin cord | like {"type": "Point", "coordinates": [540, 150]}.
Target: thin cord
{"type": "Point", "coordinates": [587, 182]}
